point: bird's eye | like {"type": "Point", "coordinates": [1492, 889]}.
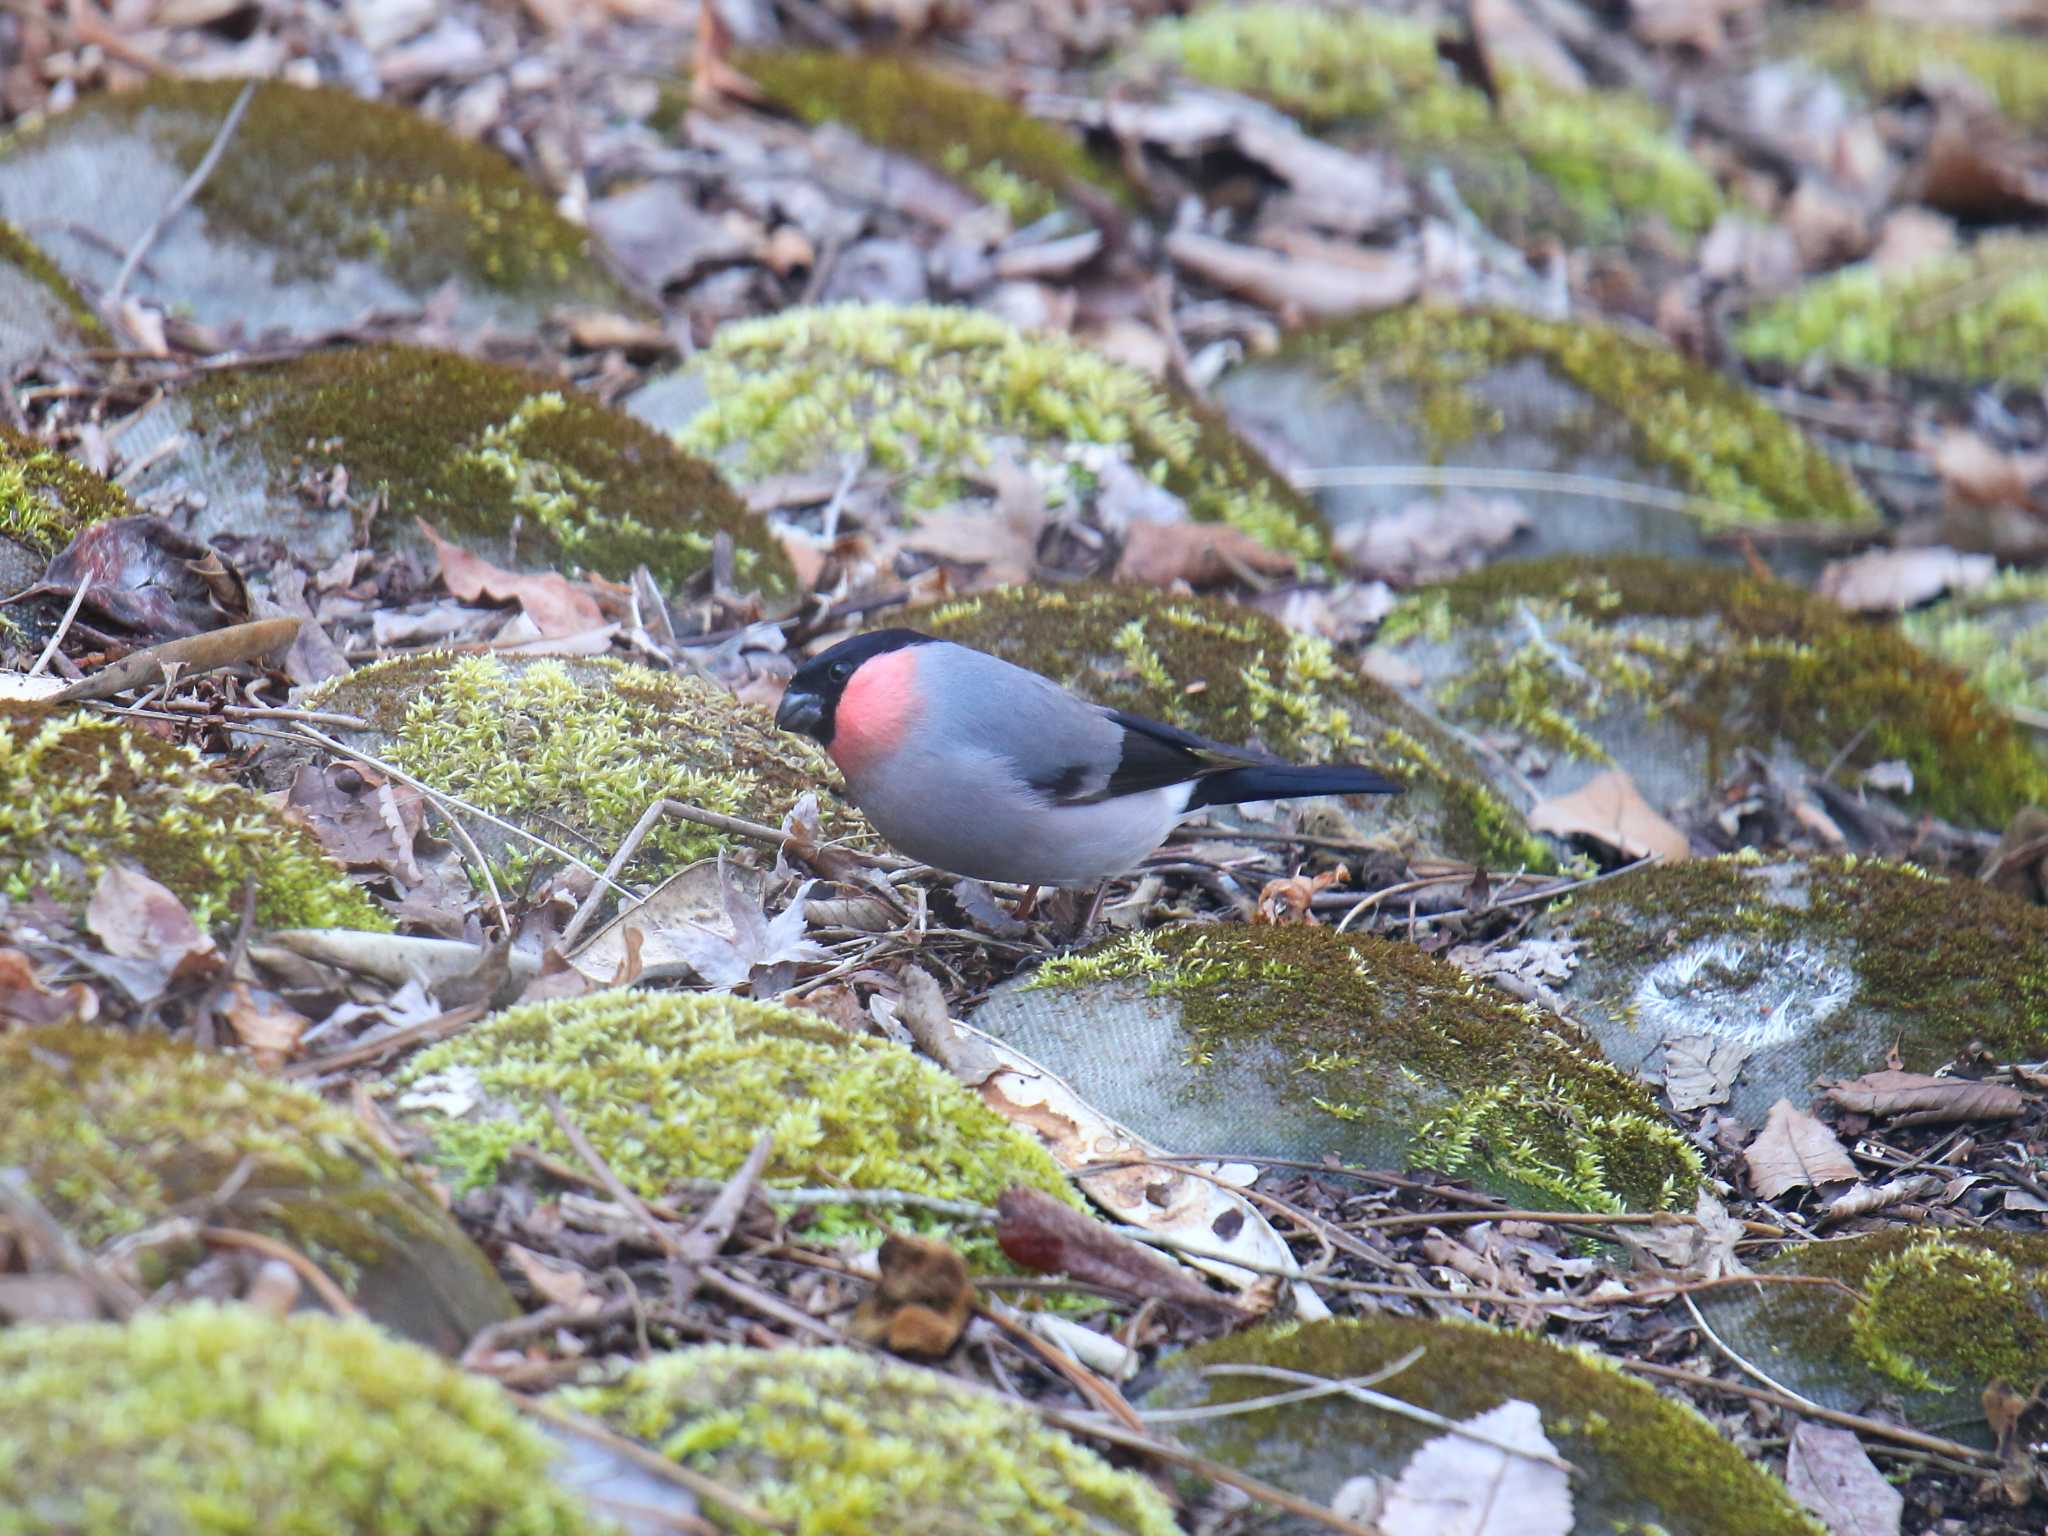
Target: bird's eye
{"type": "Point", "coordinates": [840, 671]}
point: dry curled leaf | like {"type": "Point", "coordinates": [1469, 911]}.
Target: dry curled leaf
{"type": "Point", "coordinates": [25, 1000]}
{"type": "Point", "coordinates": [1287, 900]}
{"type": "Point", "coordinates": [557, 606]}
{"type": "Point", "coordinates": [1701, 1069]}
{"type": "Point", "coordinates": [1040, 1233]}
{"type": "Point", "coordinates": [1794, 1150]}
{"type": "Point", "coordinates": [1610, 809]}
{"type": "Point", "coordinates": [1200, 554]}
{"type": "Point", "coordinates": [1893, 580]}
{"type": "Point", "coordinates": [922, 1302]}
{"type": "Point", "coordinates": [1912, 1098]}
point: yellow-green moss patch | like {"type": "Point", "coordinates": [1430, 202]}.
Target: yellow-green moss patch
{"type": "Point", "coordinates": [1580, 165]}
{"type": "Point", "coordinates": [18, 251]}
{"type": "Point", "coordinates": [838, 1442]}
{"type": "Point", "coordinates": [995, 148]}
{"type": "Point", "coordinates": [1890, 57]}
{"type": "Point", "coordinates": [677, 1086]}
{"type": "Point", "coordinates": [929, 391]}
{"type": "Point", "coordinates": [1998, 635]}
{"type": "Point", "coordinates": [1237, 676]}
{"type": "Point", "coordinates": [1570, 653]}
{"type": "Point", "coordinates": [47, 498]}
{"type": "Point", "coordinates": [1980, 314]}
{"type": "Point", "coordinates": [220, 1421]}
{"type": "Point", "coordinates": [1414, 1057]}
{"type": "Point", "coordinates": [504, 458]}
{"type": "Point", "coordinates": [118, 1131]}
{"type": "Point", "coordinates": [1648, 1465]}
{"type": "Point", "coordinates": [578, 750]}
{"type": "Point", "coordinates": [1939, 1314]}
{"type": "Point", "coordinates": [80, 792]}
{"type": "Point", "coordinates": [1742, 459]}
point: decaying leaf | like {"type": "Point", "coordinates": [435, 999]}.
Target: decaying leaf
{"type": "Point", "coordinates": [25, 1000]}
{"type": "Point", "coordinates": [1701, 1069]}
{"type": "Point", "coordinates": [1041, 1233]}
{"type": "Point", "coordinates": [1893, 580]}
{"type": "Point", "coordinates": [1457, 1486]}
{"type": "Point", "coordinates": [757, 942]}
{"type": "Point", "coordinates": [1200, 554]}
{"type": "Point", "coordinates": [1432, 539]}
{"type": "Point", "coordinates": [1828, 1472]}
{"type": "Point", "coordinates": [1911, 1098]}
{"type": "Point", "coordinates": [922, 1302]}
{"type": "Point", "coordinates": [1287, 900]}
{"type": "Point", "coordinates": [264, 1024]}
{"type": "Point", "coordinates": [1794, 1150]}
{"type": "Point", "coordinates": [1699, 1247]}
{"type": "Point", "coordinates": [557, 606]}
{"type": "Point", "coordinates": [138, 919]}
{"type": "Point", "coordinates": [1610, 809]}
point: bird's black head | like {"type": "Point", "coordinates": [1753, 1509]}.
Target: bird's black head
{"type": "Point", "coordinates": [810, 705]}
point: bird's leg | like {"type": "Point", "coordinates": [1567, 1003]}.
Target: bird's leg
{"type": "Point", "coordinates": [1093, 912]}
{"type": "Point", "coordinates": [1028, 905]}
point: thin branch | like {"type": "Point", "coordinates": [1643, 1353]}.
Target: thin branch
{"type": "Point", "coordinates": [63, 625]}
{"type": "Point", "coordinates": [708, 1489]}
{"type": "Point", "coordinates": [179, 199]}
{"type": "Point", "coordinates": [271, 1248]}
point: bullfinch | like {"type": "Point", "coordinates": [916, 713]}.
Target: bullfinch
{"type": "Point", "coordinates": [981, 768]}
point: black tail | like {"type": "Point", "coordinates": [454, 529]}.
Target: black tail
{"type": "Point", "coordinates": [1284, 783]}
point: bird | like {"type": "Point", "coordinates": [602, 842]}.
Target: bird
{"type": "Point", "coordinates": [984, 769]}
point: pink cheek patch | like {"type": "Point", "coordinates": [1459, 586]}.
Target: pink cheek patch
{"type": "Point", "coordinates": [877, 707]}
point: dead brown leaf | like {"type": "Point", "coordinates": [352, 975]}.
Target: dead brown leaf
{"type": "Point", "coordinates": [360, 819]}
{"type": "Point", "coordinates": [1433, 538]}
{"type": "Point", "coordinates": [264, 1025]}
{"type": "Point", "coordinates": [137, 919]}
{"type": "Point", "coordinates": [1977, 166]}
{"type": "Point", "coordinates": [25, 1000]}
{"type": "Point", "coordinates": [556, 1282]}
{"type": "Point", "coordinates": [1794, 1150]}
{"type": "Point", "coordinates": [149, 579]}
{"type": "Point", "coordinates": [1701, 1069]}
{"type": "Point", "coordinates": [1287, 900]}
{"type": "Point", "coordinates": [1200, 554]}
{"type": "Point", "coordinates": [1513, 42]}
{"type": "Point", "coordinates": [1048, 1236]}
{"type": "Point", "coordinates": [1611, 810]}
{"type": "Point", "coordinates": [1828, 1472]}
{"type": "Point", "coordinates": [922, 1302]}
{"type": "Point", "coordinates": [1974, 473]}
{"type": "Point", "coordinates": [556, 605]}
{"type": "Point", "coordinates": [1893, 580]}
{"type": "Point", "coordinates": [1911, 1098]}
{"type": "Point", "coordinates": [1294, 285]}
{"type": "Point", "coordinates": [1701, 1247]}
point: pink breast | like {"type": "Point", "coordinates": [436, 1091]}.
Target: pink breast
{"type": "Point", "coordinates": [877, 707]}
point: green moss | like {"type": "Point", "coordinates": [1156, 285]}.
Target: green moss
{"type": "Point", "coordinates": [1582, 164]}
{"type": "Point", "coordinates": [1997, 636]}
{"type": "Point", "coordinates": [1980, 314]}
{"type": "Point", "coordinates": [482, 450]}
{"type": "Point", "coordinates": [221, 1421]}
{"type": "Point", "coordinates": [47, 498]}
{"type": "Point", "coordinates": [677, 1086]}
{"type": "Point", "coordinates": [79, 792]}
{"type": "Point", "coordinates": [992, 146]}
{"type": "Point", "coordinates": [1237, 676]}
{"type": "Point", "coordinates": [1743, 460]}
{"type": "Point", "coordinates": [1372, 1030]}
{"type": "Point", "coordinates": [17, 250]}
{"type": "Point", "coordinates": [1737, 661]}
{"type": "Point", "coordinates": [320, 176]}
{"type": "Point", "coordinates": [117, 1132]}
{"type": "Point", "coordinates": [925, 391]}
{"type": "Point", "coordinates": [1651, 1466]}
{"type": "Point", "coordinates": [840, 1443]}
{"type": "Point", "coordinates": [1944, 962]}
{"type": "Point", "coordinates": [1889, 58]}
{"type": "Point", "coordinates": [578, 750]}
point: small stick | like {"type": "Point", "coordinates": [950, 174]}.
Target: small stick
{"type": "Point", "coordinates": [332, 1294]}
{"type": "Point", "coordinates": [63, 625]}
{"type": "Point", "coordinates": [703, 1241]}
{"type": "Point", "coordinates": [708, 1489]}
{"type": "Point", "coordinates": [180, 198]}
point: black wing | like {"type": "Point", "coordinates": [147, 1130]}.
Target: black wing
{"type": "Point", "coordinates": [1153, 756]}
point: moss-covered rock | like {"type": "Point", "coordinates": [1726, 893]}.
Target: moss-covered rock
{"type": "Point", "coordinates": [674, 1086]}
{"type": "Point", "coordinates": [1234, 675]}
{"type": "Point", "coordinates": [1938, 1315]}
{"type": "Point", "coordinates": [991, 146]}
{"type": "Point", "coordinates": [324, 206]}
{"type": "Point", "coordinates": [1818, 968]}
{"type": "Point", "coordinates": [1646, 1463]}
{"type": "Point", "coordinates": [1538, 161]}
{"type": "Point", "coordinates": [1998, 635]}
{"type": "Point", "coordinates": [505, 461]}
{"type": "Point", "coordinates": [1660, 451]}
{"type": "Point", "coordinates": [215, 1421]}
{"type": "Point", "coordinates": [1888, 56]}
{"type": "Point", "coordinates": [39, 309]}
{"type": "Point", "coordinates": [933, 393]}
{"type": "Point", "coordinates": [1979, 315]}
{"type": "Point", "coordinates": [1669, 669]}
{"type": "Point", "coordinates": [46, 500]}
{"type": "Point", "coordinates": [80, 792]}
{"type": "Point", "coordinates": [576, 751]}
{"type": "Point", "coordinates": [119, 1131]}
{"type": "Point", "coordinates": [838, 1442]}
{"type": "Point", "coordinates": [1299, 1042]}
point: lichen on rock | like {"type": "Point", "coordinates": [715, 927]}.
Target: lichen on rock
{"type": "Point", "coordinates": [839, 1442]}
{"type": "Point", "coordinates": [328, 205]}
{"type": "Point", "coordinates": [1476, 389]}
{"type": "Point", "coordinates": [933, 393]}
{"type": "Point", "coordinates": [119, 1131]}
{"type": "Point", "coordinates": [505, 461]}
{"type": "Point", "coordinates": [1234, 675]}
{"type": "Point", "coordinates": [1669, 669]}
{"type": "Point", "coordinates": [1937, 1315]}
{"type": "Point", "coordinates": [46, 500]}
{"type": "Point", "coordinates": [1299, 1042]}
{"type": "Point", "coordinates": [1537, 159]}
{"type": "Point", "coordinates": [80, 792]}
{"type": "Point", "coordinates": [216, 1421]}
{"type": "Point", "coordinates": [991, 146]}
{"type": "Point", "coordinates": [674, 1086]}
{"type": "Point", "coordinates": [1979, 314]}
{"type": "Point", "coordinates": [1820, 969]}
{"type": "Point", "coordinates": [581, 749]}
{"type": "Point", "coordinates": [1891, 56]}
{"type": "Point", "coordinates": [1645, 1463]}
